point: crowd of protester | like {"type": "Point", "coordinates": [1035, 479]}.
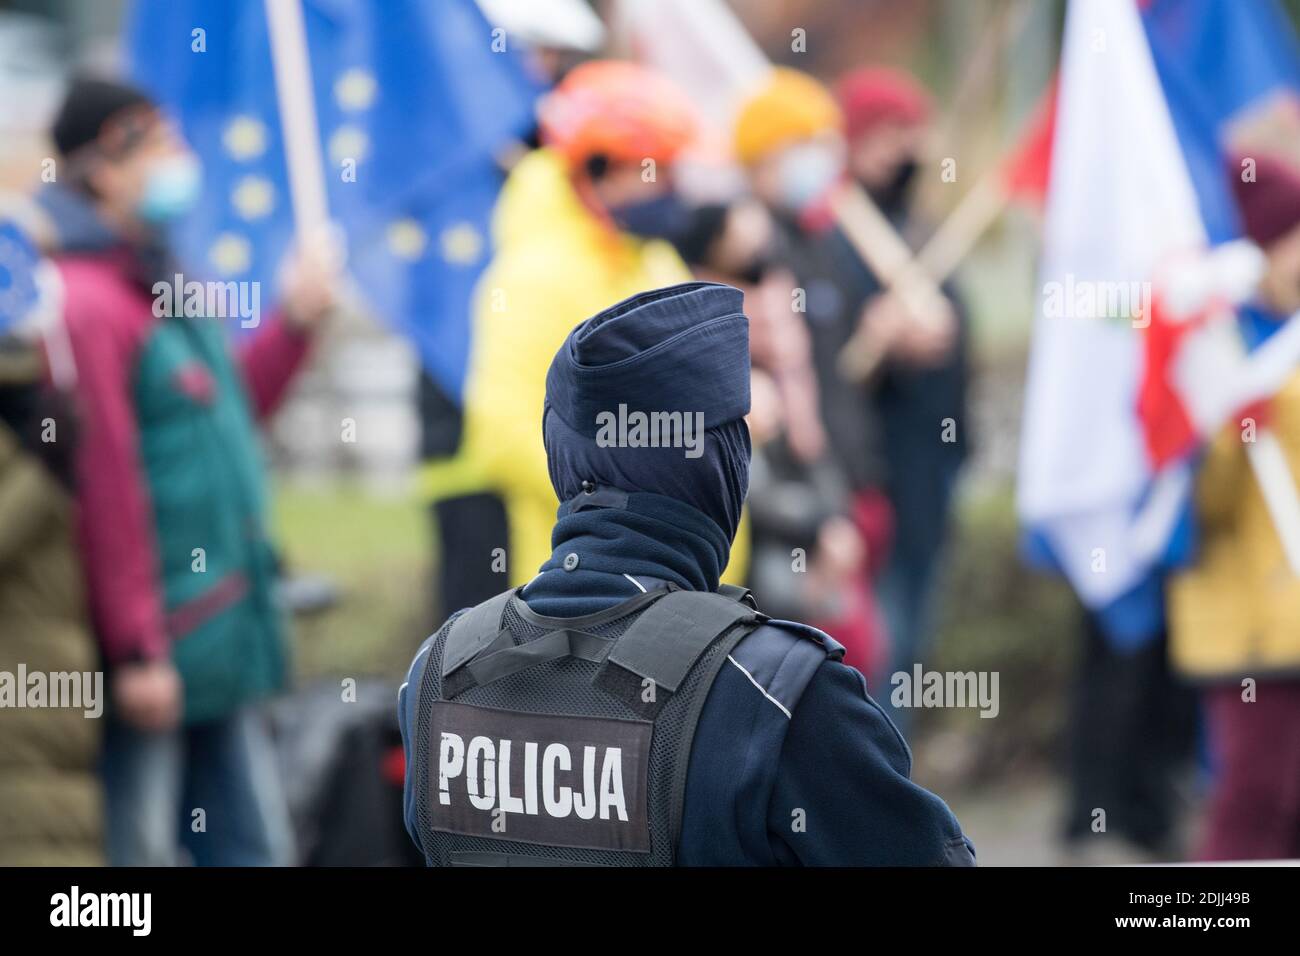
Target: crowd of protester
{"type": "Point", "coordinates": [847, 505]}
{"type": "Point", "coordinates": [845, 525]}
{"type": "Point", "coordinates": [852, 479]}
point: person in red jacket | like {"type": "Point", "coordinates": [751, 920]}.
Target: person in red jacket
{"type": "Point", "coordinates": [170, 491]}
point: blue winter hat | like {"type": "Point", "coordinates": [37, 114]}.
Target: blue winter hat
{"type": "Point", "coordinates": [650, 395]}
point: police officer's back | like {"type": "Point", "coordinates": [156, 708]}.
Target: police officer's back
{"type": "Point", "coordinates": [620, 708]}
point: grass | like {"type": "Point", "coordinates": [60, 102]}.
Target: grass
{"type": "Point", "coordinates": [376, 549]}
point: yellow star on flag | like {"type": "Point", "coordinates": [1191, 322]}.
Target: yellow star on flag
{"type": "Point", "coordinates": [462, 243]}
{"type": "Point", "coordinates": [230, 254]}
{"type": "Point", "coordinates": [407, 239]}
{"type": "Point", "coordinates": [355, 89]}
{"type": "Point", "coordinates": [244, 138]}
{"type": "Point", "coordinates": [253, 197]}
{"type": "Point", "coordinates": [349, 142]}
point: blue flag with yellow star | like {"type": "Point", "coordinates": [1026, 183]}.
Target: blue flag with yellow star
{"type": "Point", "coordinates": [18, 262]}
{"type": "Point", "coordinates": [415, 99]}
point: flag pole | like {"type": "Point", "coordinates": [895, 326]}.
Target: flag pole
{"type": "Point", "coordinates": [299, 129]}
{"type": "Point", "coordinates": [1268, 462]}
{"type": "Point", "coordinates": [1003, 29]}
{"type": "Point", "coordinates": [1278, 488]}
{"type": "Point", "coordinates": [878, 244]}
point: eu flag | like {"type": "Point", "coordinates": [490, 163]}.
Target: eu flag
{"type": "Point", "coordinates": [414, 101]}
{"type": "Point", "coordinates": [18, 261]}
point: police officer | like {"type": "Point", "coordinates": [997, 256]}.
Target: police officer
{"type": "Point", "coordinates": [623, 708]}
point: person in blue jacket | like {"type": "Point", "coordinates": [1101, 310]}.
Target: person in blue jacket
{"type": "Point", "coordinates": [624, 708]}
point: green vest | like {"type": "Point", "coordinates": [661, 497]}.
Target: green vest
{"type": "Point", "coordinates": [204, 467]}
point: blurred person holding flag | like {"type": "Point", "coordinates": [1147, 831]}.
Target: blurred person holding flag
{"type": "Point", "coordinates": [1229, 391]}
{"type": "Point", "coordinates": [582, 222]}
{"type": "Point", "coordinates": [1234, 611]}
{"type": "Point", "coordinates": [420, 108]}
{"type": "Point", "coordinates": [413, 102]}
{"type": "Point", "coordinates": [1140, 352]}
{"type": "Point", "coordinates": [170, 489]}
{"type": "Point", "coordinates": [919, 391]}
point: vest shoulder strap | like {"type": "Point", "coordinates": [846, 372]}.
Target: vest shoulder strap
{"type": "Point", "coordinates": [735, 592]}
{"type": "Point", "coordinates": [664, 642]}
{"type": "Point", "coordinates": [474, 631]}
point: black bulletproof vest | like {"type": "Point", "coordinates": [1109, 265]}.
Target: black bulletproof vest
{"type": "Point", "coordinates": [565, 741]}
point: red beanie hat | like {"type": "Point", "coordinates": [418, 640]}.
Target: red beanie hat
{"type": "Point", "coordinates": [874, 95]}
{"type": "Point", "coordinates": [1270, 205]}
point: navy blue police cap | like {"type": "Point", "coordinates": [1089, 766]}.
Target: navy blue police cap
{"type": "Point", "coordinates": [680, 348]}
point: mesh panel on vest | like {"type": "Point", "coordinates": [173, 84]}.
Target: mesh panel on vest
{"type": "Point", "coordinates": [565, 687]}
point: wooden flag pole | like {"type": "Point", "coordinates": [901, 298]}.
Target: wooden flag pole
{"type": "Point", "coordinates": [1278, 487]}
{"type": "Point", "coordinates": [957, 234]}
{"type": "Point", "coordinates": [885, 253]}
{"type": "Point", "coordinates": [297, 102]}
{"type": "Point", "coordinates": [1004, 28]}
{"type": "Point", "coordinates": [1274, 362]}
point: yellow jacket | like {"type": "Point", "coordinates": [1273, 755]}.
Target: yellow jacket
{"type": "Point", "coordinates": [1236, 612]}
{"type": "Point", "coordinates": [555, 265]}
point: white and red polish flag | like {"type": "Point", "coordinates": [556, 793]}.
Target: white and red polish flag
{"type": "Point", "coordinates": [1136, 358]}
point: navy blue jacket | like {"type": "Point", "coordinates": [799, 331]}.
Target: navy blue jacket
{"type": "Point", "coordinates": [773, 780]}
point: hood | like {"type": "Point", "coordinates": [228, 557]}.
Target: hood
{"type": "Point", "coordinates": [650, 396]}
{"type": "Point", "coordinates": [78, 228]}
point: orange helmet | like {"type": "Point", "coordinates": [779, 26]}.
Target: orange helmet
{"type": "Point", "coordinates": [617, 109]}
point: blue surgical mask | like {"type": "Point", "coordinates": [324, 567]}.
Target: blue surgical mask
{"type": "Point", "coordinates": [805, 174]}
{"type": "Point", "coordinates": [171, 189]}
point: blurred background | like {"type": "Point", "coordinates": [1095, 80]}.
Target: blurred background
{"type": "Point", "coordinates": [355, 520]}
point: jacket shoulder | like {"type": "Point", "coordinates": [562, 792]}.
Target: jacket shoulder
{"type": "Point", "coordinates": [782, 657]}
{"type": "Point", "coordinates": [96, 294]}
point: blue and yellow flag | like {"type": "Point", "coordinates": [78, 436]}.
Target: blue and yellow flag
{"type": "Point", "coordinates": [415, 99]}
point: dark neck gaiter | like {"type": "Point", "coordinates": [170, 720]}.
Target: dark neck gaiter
{"type": "Point", "coordinates": [612, 534]}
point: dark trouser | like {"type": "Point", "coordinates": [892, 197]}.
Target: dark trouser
{"type": "Point", "coordinates": [905, 591]}
{"type": "Point", "coordinates": [466, 530]}
{"type": "Point", "coordinates": [1255, 802]}
{"type": "Point", "coordinates": [1132, 728]}
{"type": "Point", "coordinates": [212, 788]}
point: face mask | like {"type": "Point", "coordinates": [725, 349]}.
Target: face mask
{"type": "Point", "coordinates": [664, 217]}
{"type": "Point", "coordinates": [170, 190]}
{"type": "Point", "coordinates": [753, 271]}
{"type": "Point", "coordinates": [805, 174]}
{"type": "Point", "coordinates": [890, 196]}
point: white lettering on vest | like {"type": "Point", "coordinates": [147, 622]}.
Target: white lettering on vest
{"type": "Point", "coordinates": [485, 766]}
